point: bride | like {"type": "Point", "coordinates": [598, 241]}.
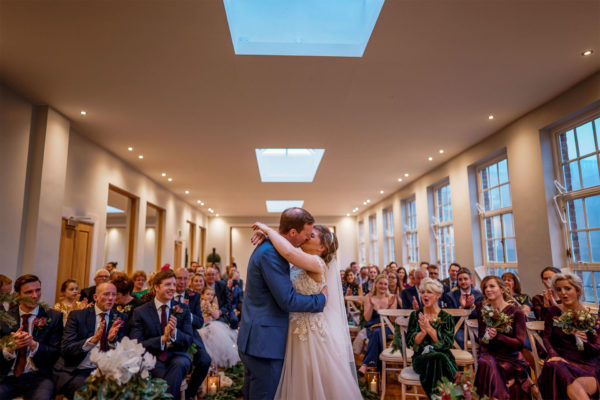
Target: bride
{"type": "Point", "coordinates": [319, 362]}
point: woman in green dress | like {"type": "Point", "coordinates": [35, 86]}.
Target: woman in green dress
{"type": "Point", "coordinates": [431, 335]}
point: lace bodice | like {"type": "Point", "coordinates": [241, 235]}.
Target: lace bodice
{"type": "Point", "coordinates": [303, 323]}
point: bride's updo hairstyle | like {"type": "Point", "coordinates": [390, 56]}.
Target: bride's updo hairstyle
{"type": "Point", "coordinates": [329, 241]}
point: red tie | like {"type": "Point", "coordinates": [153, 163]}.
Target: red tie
{"type": "Point", "coordinates": [22, 354]}
{"type": "Point", "coordinates": [162, 356]}
{"type": "Point", "coordinates": [103, 338]}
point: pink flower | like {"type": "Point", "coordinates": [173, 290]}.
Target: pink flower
{"type": "Point", "coordinates": [40, 322]}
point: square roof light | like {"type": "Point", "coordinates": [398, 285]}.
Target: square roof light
{"type": "Point", "coordinates": [277, 206]}
{"type": "Point", "coordinates": [288, 165]}
{"type": "Point", "coordinates": [333, 28]}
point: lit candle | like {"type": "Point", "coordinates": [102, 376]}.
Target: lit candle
{"type": "Point", "coordinates": [373, 385]}
{"type": "Point", "coordinates": [212, 389]}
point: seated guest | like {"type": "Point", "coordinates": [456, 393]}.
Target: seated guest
{"type": "Point", "coordinates": [5, 288]}
{"type": "Point", "coordinates": [124, 301]}
{"type": "Point", "coordinates": [411, 277]}
{"type": "Point", "coordinates": [197, 283]}
{"type": "Point", "coordinates": [234, 290]}
{"type": "Point", "coordinates": [452, 281]}
{"type": "Point", "coordinates": [540, 302]}
{"type": "Point", "coordinates": [26, 369]}
{"type": "Point", "coordinates": [569, 372]}
{"type": "Point", "coordinates": [69, 292]}
{"type": "Point", "coordinates": [98, 326]}
{"type": "Point", "coordinates": [111, 267]}
{"type": "Point", "coordinates": [502, 372]}
{"type": "Point", "coordinates": [139, 281]}
{"type": "Point", "coordinates": [465, 297]}
{"type": "Point", "coordinates": [220, 289]}
{"type": "Point", "coordinates": [395, 287]}
{"type": "Point", "coordinates": [102, 275]}
{"type": "Point", "coordinates": [403, 277]}
{"type": "Point", "coordinates": [393, 267]}
{"type": "Point", "coordinates": [512, 282]}
{"type": "Point", "coordinates": [217, 336]}
{"type": "Point", "coordinates": [164, 328]}
{"type": "Point", "coordinates": [423, 265]}
{"type": "Point", "coordinates": [430, 334]}
{"type": "Point", "coordinates": [349, 285]}
{"type": "Point", "coordinates": [433, 271]}
{"type": "Point", "coordinates": [379, 298]}
{"type": "Point", "coordinates": [201, 359]}
{"type": "Point", "coordinates": [363, 275]}
{"type": "Point", "coordinates": [411, 298]}
{"type": "Point", "coordinates": [368, 285]}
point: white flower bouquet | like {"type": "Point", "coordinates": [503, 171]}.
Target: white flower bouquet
{"type": "Point", "coordinates": [123, 373]}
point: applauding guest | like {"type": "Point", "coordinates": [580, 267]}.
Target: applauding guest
{"type": "Point", "coordinates": [368, 285]}
{"type": "Point", "coordinates": [220, 288]}
{"type": "Point", "coordinates": [164, 328]}
{"type": "Point", "coordinates": [431, 335]}
{"type": "Point", "coordinates": [395, 287]}
{"type": "Point", "coordinates": [197, 283]}
{"type": "Point", "coordinates": [69, 291]}
{"type": "Point", "coordinates": [403, 275]}
{"type": "Point", "coordinates": [547, 298]}
{"type": "Point", "coordinates": [502, 372]}
{"type": "Point", "coordinates": [124, 301]}
{"type": "Point", "coordinates": [139, 281]}
{"type": "Point", "coordinates": [452, 281]}
{"type": "Point", "coordinates": [514, 286]}
{"type": "Point", "coordinates": [411, 298]}
{"type": "Point", "coordinates": [26, 370]}
{"type": "Point", "coordinates": [570, 370]}
{"type": "Point", "coordinates": [465, 297]}
{"type": "Point", "coordinates": [349, 285]}
{"type": "Point", "coordinates": [101, 276]}
{"type": "Point", "coordinates": [98, 326]}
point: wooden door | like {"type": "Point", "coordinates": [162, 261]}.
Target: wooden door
{"type": "Point", "coordinates": [201, 256]}
{"type": "Point", "coordinates": [74, 254]}
{"type": "Point", "coordinates": [191, 241]}
{"type": "Point", "coordinates": [177, 255]}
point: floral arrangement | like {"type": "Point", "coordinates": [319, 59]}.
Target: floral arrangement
{"type": "Point", "coordinates": [177, 311]}
{"type": "Point", "coordinates": [461, 388]}
{"type": "Point", "coordinates": [573, 321]}
{"type": "Point", "coordinates": [123, 373]}
{"type": "Point", "coordinates": [495, 319]}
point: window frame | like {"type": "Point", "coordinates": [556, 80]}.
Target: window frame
{"type": "Point", "coordinates": [388, 235]}
{"type": "Point", "coordinates": [410, 233]}
{"type": "Point", "coordinates": [373, 240]}
{"type": "Point", "coordinates": [362, 248]}
{"type": "Point", "coordinates": [439, 226]}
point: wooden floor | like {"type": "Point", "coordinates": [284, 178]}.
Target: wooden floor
{"type": "Point", "coordinates": [393, 390]}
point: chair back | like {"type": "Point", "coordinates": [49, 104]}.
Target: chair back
{"type": "Point", "coordinates": [462, 315]}
{"type": "Point", "coordinates": [388, 318]}
{"type": "Point", "coordinates": [533, 332]}
{"type": "Point", "coordinates": [354, 307]}
{"type": "Point", "coordinates": [473, 327]}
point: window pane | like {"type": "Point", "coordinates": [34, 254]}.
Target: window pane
{"type": "Point", "coordinates": [495, 192]}
{"type": "Point", "coordinates": [589, 171]}
{"type": "Point", "coordinates": [499, 250]}
{"type": "Point", "coordinates": [588, 287]}
{"type": "Point", "coordinates": [585, 139]}
{"type": "Point", "coordinates": [595, 245]}
{"type": "Point", "coordinates": [571, 175]}
{"type": "Point", "coordinates": [575, 214]}
{"type": "Point", "coordinates": [597, 284]}
{"type": "Point", "coordinates": [511, 250]}
{"type": "Point", "coordinates": [493, 170]}
{"type": "Point", "coordinates": [484, 178]}
{"type": "Point", "coordinates": [580, 248]}
{"type": "Point", "coordinates": [503, 171]}
{"type": "Point", "coordinates": [597, 124]}
{"type": "Point", "coordinates": [487, 201]}
{"type": "Point", "coordinates": [449, 212]}
{"type": "Point", "coordinates": [567, 146]}
{"type": "Point", "coordinates": [490, 250]}
{"type": "Point", "coordinates": [592, 209]}
{"type": "Point", "coordinates": [505, 195]}
{"type": "Point", "coordinates": [497, 227]}
{"type": "Point", "coordinates": [507, 220]}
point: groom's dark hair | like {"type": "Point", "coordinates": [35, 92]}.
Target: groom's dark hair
{"type": "Point", "coordinates": [294, 218]}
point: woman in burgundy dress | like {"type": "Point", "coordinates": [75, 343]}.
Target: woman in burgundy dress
{"type": "Point", "coordinates": [540, 301]}
{"type": "Point", "coordinates": [569, 372]}
{"type": "Point", "coordinates": [502, 371]}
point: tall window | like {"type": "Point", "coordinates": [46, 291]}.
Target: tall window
{"type": "Point", "coordinates": [373, 248]}
{"type": "Point", "coordinates": [497, 226]}
{"type": "Point", "coordinates": [410, 229]}
{"type": "Point", "coordinates": [444, 229]}
{"type": "Point", "coordinates": [578, 152]}
{"type": "Point", "coordinates": [389, 252]}
{"type": "Point", "coordinates": [362, 248]}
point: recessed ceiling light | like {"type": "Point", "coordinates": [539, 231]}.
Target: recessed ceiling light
{"type": "Point", "coordinates": [83, 112]}
{"type": "Point", "coordinates": [170, 179]}
{"type": "Point", "coordinates": [201, 203]}
{"type": "Point", "coordinates": [198, 201]}
{"type": "Point", "coordinates": [140, 156]}
{"type": "Point", "coordinates": [276, 206]}
{"type": "Point", "coordinates": [430, 159]}
{"type": "Point", "coordinates": [381, 192]}
{"type": "Point", "coordinates": [588, 52]}
{"type": "Point", "coordinates": [187, 192]}
{"type": "Point", "coordinates": [399, 179]}
{"type": "Point", "coordinates": [216, 215]}
{"type": "Point", "coordinates": [288, 165]}
{"type": "Point", "coordinates": [164, 174]}
{"type": "Point", "coordinates": [368, 201]}
{"type": "Point", "coordinates": [405, 174]}
{"type": "Point", "coordinates": [490, 116]}
{"type": "Point", "coordinates": [441, 151]}
{"type": "Point", "coordinates": [364, 203]}
{"type": "Point", "coordinates": [347, 215]}
{"type": "Point", "coordinates": [130, 148]}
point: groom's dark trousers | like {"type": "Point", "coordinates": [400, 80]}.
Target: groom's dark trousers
{"type": "Point", "coordinates": [268, 301]}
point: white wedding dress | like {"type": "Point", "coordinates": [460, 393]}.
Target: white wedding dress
{"type": "Point", "coordinates": [319, 362]}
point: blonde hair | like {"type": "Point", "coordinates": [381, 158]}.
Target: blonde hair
{"type": "Point", "coordinates": [573, 280]}
{"type": "Point", "coordinates": [380, 277]}
{"type": "Point", "coordinates": [505, 290]}
{"type": "Point", "coordinates": [431, 285]}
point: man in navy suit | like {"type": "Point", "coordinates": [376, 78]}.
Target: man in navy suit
{"type": "Point", "coordinates": [201, 359]}
{"type": "Point", "coordinates": [96, 326]}
{"type": "Point", "coordinates": [411, 299]}
{"type": "Point", "coordinates": [222, 295]}
{"type": "Point", "coordinates": [164, 327]}
{"type": "Point", "coordinates": [102, 275]}
{"type": "Point", "coordinates": [269, 299]}
{"type": "Point", "coordinates": [26, 370]}
{"type": "Point", "coordinates": [465, 297]}
{"type": "Point", "coordinates": [451, 282]}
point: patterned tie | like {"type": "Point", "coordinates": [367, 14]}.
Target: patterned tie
{"type": "Point", "coordinates": [103, 338]}
{"type": "Point", "coordinates": [22, 355]}
{"type": "Point", "coordinates": [162, 356]}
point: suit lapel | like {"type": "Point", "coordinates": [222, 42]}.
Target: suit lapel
{"type": "Point", "coordinates": [90, 320]}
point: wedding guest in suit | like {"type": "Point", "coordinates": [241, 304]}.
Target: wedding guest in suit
{"type": "Point", "coordinates": [363, 275]}
{"type": "Point", "coordinates": [512, 282]}
{"type": "Point", "coordinates": [220, 288]}
{"type": "Point", "coordinates": [102, 275]}
{"type": "Point", "coordinates": [234, 291]}
{"type": "Point", "coordinates": [423, 265]}
{"type": "Point", "coordinates": [164, 327]}
{"type": "Point", "coordinates": [393, 267]}
{"type": "Point", "coordinates": [26, 370]}
{"type": "Point", "coordinates": [69, 291]}
{"type": "Point", "coordinates": [452, 281]}
{"type": "Point", "coordinates": [5, 288]}
{"type": "Point", "coordinates": [411, 298]}
{"type": "Point", "coordinates": [368, 285]}
{"type": "Point", "coordinates": [139, 279]}
{"type": "Point", "coordinates": [465, 297]}
{"type": "Point", "coordinates": [502, 372]}
{"type": "Point", "coordinates": [98, 326]}
{"type": "Point", "coordinates": [201, 359]}
{"type": "Point", "coordinates": [568, 371]}
{"type": "Point", "coordinates": [540, 302]}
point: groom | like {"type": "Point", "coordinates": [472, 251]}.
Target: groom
{"type": "Point", "coordinates": [269, 299]}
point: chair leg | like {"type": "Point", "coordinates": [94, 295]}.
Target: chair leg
{"type": "Point", "coordinates": [383, 377]}
{"type": "Point", "coordinates": [403, 391]}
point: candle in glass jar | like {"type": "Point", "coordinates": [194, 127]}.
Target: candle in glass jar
{"type": "Point", "coordinates": [212, 388]}
{"type": "Point", "coordinates": [373, 385]}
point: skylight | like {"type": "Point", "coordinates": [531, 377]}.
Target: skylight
{"type": "Point", "coordinates": [113, 210]}
{"type": "Point", "coordinates": [288, 165]}
{"type": "Point", "coordinates": [277, 206]}
{"type": "Point", "coordinates": [335, 28]}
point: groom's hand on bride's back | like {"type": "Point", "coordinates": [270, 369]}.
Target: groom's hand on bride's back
{"type": "Point", "coordinates": [324, 293]}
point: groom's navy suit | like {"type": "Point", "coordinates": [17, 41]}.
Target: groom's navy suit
{"type": "Point", "coordinates": [269, 299]}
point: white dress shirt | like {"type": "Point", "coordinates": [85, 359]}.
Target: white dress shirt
{"type": "Point", "coordinates": [12, 355]}
{"type": "Point", "coordinates": [88, 345]}
{"type": "Point", "coordinates": [158, 306]}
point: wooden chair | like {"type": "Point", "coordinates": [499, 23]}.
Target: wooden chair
{"type": "Point", "coordinates": [473, 326]}
{"type": "Point", "coordinates": [387, 356]}
{"type": "Point", "coordinates": [533, 329]}
{"type": "Point", "coordinates": [463, 357]}
{"type": "Point", "coordinates": [408, 377]}
{"type": "Point", "coordinates": [354, 309]}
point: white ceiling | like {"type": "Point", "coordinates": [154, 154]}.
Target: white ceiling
{"type": "Point", "coordinates": [161, 76]}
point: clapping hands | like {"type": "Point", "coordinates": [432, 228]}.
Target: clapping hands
{"type": "Point", "coordinates": [169, 333]}
{"type": "Point", "coordinates": [466, 301]}
{"type": "Point", "coordinates": [549, 298]}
